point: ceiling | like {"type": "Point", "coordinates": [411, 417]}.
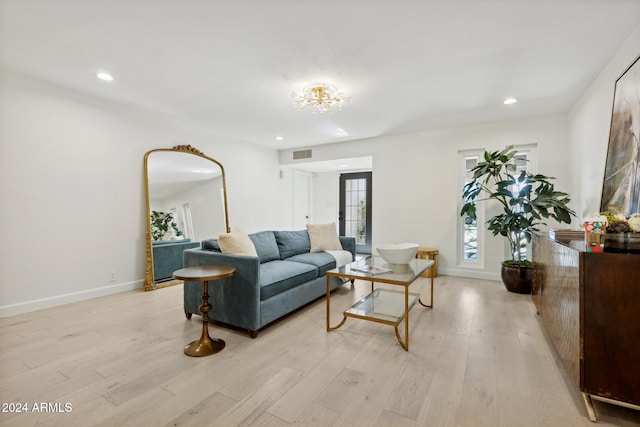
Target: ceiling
{"type": "Point", "coordinates": [170, 172]}
{"type": "Point", "coordinates": [407, 65]}
{"type": "Point", "coordinates": [344, 165]}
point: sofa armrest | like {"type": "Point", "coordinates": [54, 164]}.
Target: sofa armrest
{"type": "Point", "coordinates": [234, 300]}
{"type": "Point", "coordinates": [349, 244]}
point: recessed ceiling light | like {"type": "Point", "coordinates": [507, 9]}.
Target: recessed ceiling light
{"type": "Point", "coordinates": [279, 138]}
{"type": "Point", "coordinates": [341, 132]}
{"type": "Point", "coordinates": [510, 101]}
{"type": "Point", "coordinates": [104, 76]}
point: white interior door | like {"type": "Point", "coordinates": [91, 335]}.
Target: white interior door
{"type": "Point", "coordinates": [302, 188]}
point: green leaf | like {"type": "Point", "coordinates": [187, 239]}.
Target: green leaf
{"type": "Point", "coordinates": [469, 209]}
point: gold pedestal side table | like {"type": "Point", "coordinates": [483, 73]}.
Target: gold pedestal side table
{"type": "Point", "coordinates": [432, 254]}
{"type": "Point", "coordinates": [206, 345]}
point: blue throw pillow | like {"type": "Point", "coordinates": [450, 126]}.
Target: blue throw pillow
{"type": "Point", "coordinates": [266, 246]}
{"type": "Point", "coordinates": [292, 243]}
{"type": "Point", "coordinates": [211, 245]}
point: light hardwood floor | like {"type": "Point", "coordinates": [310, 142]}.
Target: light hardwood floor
{"type": "Point", "coordinates": [479, 358]}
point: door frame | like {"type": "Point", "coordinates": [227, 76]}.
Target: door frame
{"type": "Point", "coordinates": [368, 176]}
{"type": "Point", "coordinates": [301, 185]}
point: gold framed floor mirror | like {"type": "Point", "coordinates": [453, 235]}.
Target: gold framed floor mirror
{"type": "Point", "coordinates": [186, 201]}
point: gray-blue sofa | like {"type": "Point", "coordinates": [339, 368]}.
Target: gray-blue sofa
{"type": "Point", "coordinates": [283, 277]}
{"type": "Point", "coordinates": [167, 257]}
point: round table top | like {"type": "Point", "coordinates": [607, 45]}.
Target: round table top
{"type": "Point", "coordinates": [427, 251]}
{"type": "Point", "coordinates": [205, 272]}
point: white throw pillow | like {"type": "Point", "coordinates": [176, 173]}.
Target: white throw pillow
{"type": "Point", "coordinates": [323, 237]}
{"type": "Point", "coordinates": [237, 243]}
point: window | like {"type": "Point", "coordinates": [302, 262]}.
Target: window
{"type": "Point", "coordinates": [188, 223]}
{"type": "Point", "coordinates": [355, 209]}
{"type": "Point", "coordinates": [470, 242]}
{"type": "Point", "coordinates": [524, 161]}
{"type": "Point", "coordinates": [470, 236]}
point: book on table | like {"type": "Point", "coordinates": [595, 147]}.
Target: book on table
{"type": "Point", "coordinates": [372, 269]}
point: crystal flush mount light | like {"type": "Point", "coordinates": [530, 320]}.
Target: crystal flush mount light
{"type": "Point", "coordinates": [320, 98]}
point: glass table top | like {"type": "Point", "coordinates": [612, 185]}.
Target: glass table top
{"type": "Point", "coordinates": [376, 269]}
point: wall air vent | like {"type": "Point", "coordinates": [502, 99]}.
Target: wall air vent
{"type": "Point", "coordinates": [302, 154]}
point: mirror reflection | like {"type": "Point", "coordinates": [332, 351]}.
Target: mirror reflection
{"type": "Point", "coordinates": [186, 203]}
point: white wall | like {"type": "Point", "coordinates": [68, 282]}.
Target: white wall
{"type": "Point", "coordinates": [72, 190]}
{"type": "Point", "coordinates": [415, 187]}
{"type": "Point", "coordinates": [325, 197]}
{"type": "Point", "coordinates": [206, 205]}
{"type": "Point", "coordinates": [589, 122]}
{"type": "Point", "coordinates": [72, 186]}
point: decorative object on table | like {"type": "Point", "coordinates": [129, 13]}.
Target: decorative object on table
{"type": "Point", "coordinates": [594, 228]}
{"type": "Point", "coordinates": [621, 234]}
{"type": "Point", "coordinates": [526, 200]}
{"type": "Point", "coordinates": [562, 234]}
{"type": "Point", "coordinates": [371, 269]}
{"type": "Point", "coordinates": [621, 185]}
{"type": "Point", "coordinates": [398, 253]}
{"type": "Point", "coordinates": [432, 254]}
{"type": "Point", "coordinates": [160, 223]}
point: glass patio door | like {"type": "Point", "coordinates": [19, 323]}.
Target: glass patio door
{"type": "Point", "coordinates": [354, 216]}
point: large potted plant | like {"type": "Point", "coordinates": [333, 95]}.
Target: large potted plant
{"type": "Point", "coordinates": [526, 201]}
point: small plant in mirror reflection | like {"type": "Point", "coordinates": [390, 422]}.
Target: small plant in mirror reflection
{"type": "Point", "coordinates": [160, 222]}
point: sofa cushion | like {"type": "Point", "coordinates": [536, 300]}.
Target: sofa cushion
{"type": "Point", "coordinates": [210, 245]}
{"type": "Point", "coordinates": [323, 237]}
{"type": "Point", "coordinates": [279, 276]}
{"type": "Point", "coordinates": [169, 242]}
{"type": "Point", "coordinates": [266, 246]}
{"type": "Point", "coordinates": [169, 258]}
{"type": "Point", "coordinates": [292, 243]}
{"type": "Point", "coordinates": [322, 260]}
{"type": "Point", "coordinates": [237, 243]}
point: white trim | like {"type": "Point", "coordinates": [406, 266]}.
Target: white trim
{"type": "Point", "coordinates": [302, 179]}
{"type": "Point", "coordinates": [42, 303]}
{"type": "Point", "coordinates": [473, 274]}
{"type": "Point", "coordinates": [188, 220]}
{"type": "Point", "coordinates": [531, 152]}
{"type": "Point", "coordinates": [463, 155]}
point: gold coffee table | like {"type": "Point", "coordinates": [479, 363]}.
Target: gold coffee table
{"type": "Point", "coordinates": [385, 306]}
{"type": "Point", "coordinates": [206, 345]}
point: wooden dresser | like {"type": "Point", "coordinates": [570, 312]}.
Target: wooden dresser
{"type": "Point", "coordinates": [590, 306]}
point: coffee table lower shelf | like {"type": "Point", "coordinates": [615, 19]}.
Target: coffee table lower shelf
{"type": "Point", "coordinates": [383, 306]}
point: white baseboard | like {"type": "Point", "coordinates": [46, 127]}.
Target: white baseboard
{"type": "Point", "coordinates": [474, 274]}
{"type": "Point", "coordinates": [54, 301]}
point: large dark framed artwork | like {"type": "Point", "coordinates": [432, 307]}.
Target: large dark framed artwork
{"type": "Point", "coordinates": [621, 186]}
